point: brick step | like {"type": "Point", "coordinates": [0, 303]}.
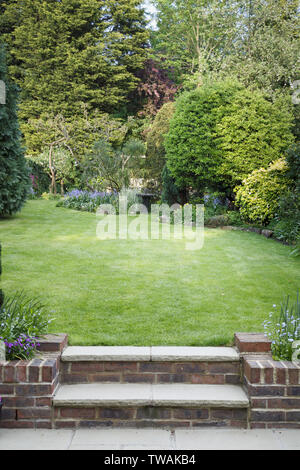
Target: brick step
{"type": "Point", "coordinates": [126, 364]}
{"type": "Point", "coordinates": [142, 405]}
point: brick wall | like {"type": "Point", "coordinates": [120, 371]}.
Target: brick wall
{"type": "Point", "coordinates": [72, 417]}
{"type": "Point", "coordinates": [27, 387]}
{"type": "Point", "coordinates": [273, 386]}
{"type": "Point", "coordinates": [151, 372]}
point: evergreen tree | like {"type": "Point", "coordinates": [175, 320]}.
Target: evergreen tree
{"type": "Point", "coordinates": [14, 177]}
{"type": "Point", "coordinates": [71, 52]}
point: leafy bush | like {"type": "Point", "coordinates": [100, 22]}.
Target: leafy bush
{"type": "Point", "coordinates": [22, 320]}
{"type": "Point", "coordinates": [286, 224]}
{"type": "Point", "coordinates": [234, 218]}
{"type": "Point", "coordinates": [259, 195]}
{"type": "Point", "coordinates": [221, 132]}
{"type": "Point", "coordinates": [191, 145]}
{"type": "Point", "coordinates": [253, 134]}
{"type": "Point", "coordinates": [283, 328]}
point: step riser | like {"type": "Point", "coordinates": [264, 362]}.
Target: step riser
{"type": "Point", "coordinates": [217, 373]}
{"type": "Point", "coordinates": [138, 417]}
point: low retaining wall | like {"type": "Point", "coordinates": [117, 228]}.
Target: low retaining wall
{"type": "Point", "coordinates": [27, 387]}
{"type": "Point", "coordinates": [273, 387]}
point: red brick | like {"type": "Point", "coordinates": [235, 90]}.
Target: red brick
{"type": "Point", "coordinates": [252, 342]}
{"type": "Point", "coordinates": [75, 378]}
{"type": "Point", "coordinates": [173, 378]}
{"type": "Point", "coordinates": [252, 371]}
{"type": "Point", "coordinates": [224, 367]}
{"type": "Point", "coordinates": [120, 366]}
{"type": "Point", "coordinates": [293, 374]}
{"type": "Point", "coordinates": [293, 391]}
{"type": "Point", "coordinates": [152, 412]}
{"type": "Point", "coordinates": [53, 343]}
{"type": "Point", "coordinates": [17, 424]}
{"type": "Point", "coordinates": [190, 368]}
{"type": "Point", "coordinates": [258, 403]}
{"type": "Point", "coordinates": [43, 401]}
{"type": "Point", "coordinates": [9, 372]}
{"type": "Point", "coordinates": [208, 379]}
{"type": "Point", "coordinates": [85, 367]}
{"type": "Point", "coordinates": [184, 413]}
{"type": "Point", "coordinates": [141, 378]}
{"type": "Point", "coordinates": [267, 372]}
{"type": "Point", "coordinates": [64, 424]}
{"type": "Point", "coordinates": [8, 413]}
{"type": "Point", "coordinates": [21, 371]}
{"type": "Point", "coordinates": [293, 415]}
{"type": "Point", "coordinates": [6, 389]}
{"type": "Point", "coordinates": [34, 413]}
{"type": "Point", "coordinates": [33, 390]}
{"type": "Point", "coordinates": [286, 403]}
{"type": "Point", "coordinates": [266, 415]}
{"type": "Point", "coordinates": [49, 370]}
{"type": "Point", "coordinates": [34, 371]}
{"type": "Point", "coordinates": [280, 373]}
{"type": "Point", "coordinates": [77, 413]}
{"type": "Point", "coordinates": [116, 413]}
{"type": "Point", "coordinates": [232, 379]}
{"type": "Point", "coordinates": [166, 367]}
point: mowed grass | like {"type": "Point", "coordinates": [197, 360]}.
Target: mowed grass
{"type": "Point", "coordinates": [119, 292]}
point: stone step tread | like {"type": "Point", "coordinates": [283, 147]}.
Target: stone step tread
{"type": "Point", "coordinates": [120, 395]}
{"type": "Point", "coordinates": [150, 353]}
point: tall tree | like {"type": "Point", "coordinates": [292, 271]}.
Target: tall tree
{"type": "Point", "coordinates": [14, 175]}
{"type": "Point", "coordinates": [193, 35]}
{"type": "Point", "coordinates": [73, 51]}
{"type": "Point", "coordinates": [267, 46]}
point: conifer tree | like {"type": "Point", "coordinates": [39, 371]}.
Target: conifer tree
{"type": "Point", "coordinates": [14, 177]}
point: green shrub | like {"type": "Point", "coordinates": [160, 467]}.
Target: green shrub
{"type": "Point", "coordinates": [222, 132]}
{"type": "Point", "coordinates": [234, 218]}
{"type": "Point", "coordinates": [259, 195]}
{"type": "Point", "coordinates": [283, 328]}
{"type": "Point", "coordinates": [286, 224]}
{"type": "Point", "coordinates": [191, 144]}
{"type": "Point", "coordinates": [22, 321]}
{"type": "Point", "coordinates": [253, 134]}
{"type": "Point", "coordinates": [21, 314]}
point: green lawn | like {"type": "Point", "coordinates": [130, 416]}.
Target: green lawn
{"type": "Point", "coordinates": [155, 292]}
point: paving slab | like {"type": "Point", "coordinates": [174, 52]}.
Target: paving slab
{"type": "Point", "coordinates": [122, 439]}
{"type": "Point", "coordinates": [149, 439]}
{"type": "Point", "coordinates": [289, 439]}
{"type": "Point", "coordinates": [216, 439]}
{"type": "Point", "coordinates": [31, 439]}
{"type": "Point", "coordinates": [191, 353]}
{"type": "Point", "coordinates": [106, 353]}
{"type": "Point", "coordinates": [221, 396]}
{"type": "Point", "coordinates": [189, 395]}
{"type": "Point", "coordinates": [89, 395]}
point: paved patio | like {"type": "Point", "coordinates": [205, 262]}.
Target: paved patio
{"type": "Point", "coordinates": [149, 439]}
